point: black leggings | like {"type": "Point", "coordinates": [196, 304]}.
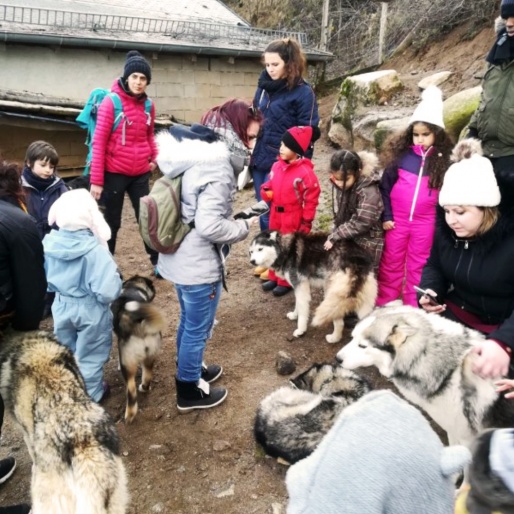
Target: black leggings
{"type": "Point", "coordinates": [115, 187]}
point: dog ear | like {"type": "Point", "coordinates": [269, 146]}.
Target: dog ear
{"type": "Point", "coordinates": [400, 332]}
{"type": "Point", "coordinates": [273, 235]}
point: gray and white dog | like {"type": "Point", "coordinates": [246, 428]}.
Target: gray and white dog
{"type": "Point", "coordinates": [345, 272]}
{"type": "Point", "coordinates": [428, 359]}
{"type": "Point", "coordinates": [291, 421]}
{"type": "Point", "coordinates": [73, 443]}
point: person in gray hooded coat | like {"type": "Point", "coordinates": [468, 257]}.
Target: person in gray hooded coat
{"type": "Point", "coordinates": [209, 156]}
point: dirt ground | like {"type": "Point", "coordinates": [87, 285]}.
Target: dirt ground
{"type": "Point", "coordinates": [207, 462]}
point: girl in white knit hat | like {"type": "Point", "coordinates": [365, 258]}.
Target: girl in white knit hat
{"type": "Point", "coordinates": [85, 278]}
{"type": "Point", "coordinates": [416, 160]}
{"type": "Point", "coordinates": [470, 270]}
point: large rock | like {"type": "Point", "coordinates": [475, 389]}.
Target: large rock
{"type": "Point", "coordinates": [434, 80]}
{"type": "Point", "coordinates": [459, 108]}
{"type": "Point", "coordinates": [364, 129]}
{"type": "Point", "coordinates": [387, 127]}
{"type": "Point", "coordinates": [359, 92]}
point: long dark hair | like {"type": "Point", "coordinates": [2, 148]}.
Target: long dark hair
{"type": "Point", "coordinates": [292, 55]}
{"type": "Point", "coordinates": [348, 164]}
{"type": "Point", "coordinates": [10, 185]}
{"type": "Point", "coordinates": [439, 160]}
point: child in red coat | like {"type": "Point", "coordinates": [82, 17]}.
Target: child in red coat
{"type": "Point", "coordinates": [293, 192]}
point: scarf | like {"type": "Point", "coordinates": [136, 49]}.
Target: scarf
{"type": "Point", "coordinates": [239, 154]}
{"type": "Point", "coordinates": [41, 184]}
{"type": "Point", "coordinates": [502, 51]}
{"type": "Point", "coordinates": [269, 85]}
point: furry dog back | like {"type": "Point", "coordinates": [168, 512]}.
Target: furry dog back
{"type": "Point", "coordinates": [291, 421]}
{"type": "Point", "coordinates": [138, 326]}
{"type": "Point", "coordinates": [72, 441]}
{"type": "Point", "coordinates": [345, 273]}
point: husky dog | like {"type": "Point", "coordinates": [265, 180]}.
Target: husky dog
{"type": "Point", "coordinates": [345, 272]}
{"type": "Point", "coordinates": [72, 441]}
{"type": "Point", "coordinates": [138, 326]}
{"type": "Point", "coordinates": [428, 359]}
{"type": "Point", "coordinates": [291, 421]}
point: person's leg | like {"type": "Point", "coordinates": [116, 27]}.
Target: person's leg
{"type": "Point", "coordinates": [137, 188]}
{"type": "Point", "coordinates": [65, 330]}
{"type": "Point", "coordinates": [112, 202]}
{"type": "Point", "coordinates": [392, 265]}
{"type": "Point", "coordinates": [93, 347]}
{"type": "Point", "coordinates": [259, 177]}
{"type": "Point", "coordinates": [198, 309]}
{"type": "Point", "coordinates": [418, 251]}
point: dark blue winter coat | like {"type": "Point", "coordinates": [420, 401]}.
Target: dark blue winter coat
{"type": "Point", "coordinates": [282, 109]}
{"type": "Point", "coordinates": [39, 201]}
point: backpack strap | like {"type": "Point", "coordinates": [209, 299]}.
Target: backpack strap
{"type": "Point", "coordinates": [118, 109]}
{"type": "Point", "coordinates": [148, 111]}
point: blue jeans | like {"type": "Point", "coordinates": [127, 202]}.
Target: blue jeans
{"type": "Point", "coordinates": [259, 177]}
{"type": "Point", "coordinates": [198, 305]}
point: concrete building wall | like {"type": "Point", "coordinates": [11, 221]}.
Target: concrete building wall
{"type": "Point", "coordinates": [183, 85]}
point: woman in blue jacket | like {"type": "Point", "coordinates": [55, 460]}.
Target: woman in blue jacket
{"type": "Point", "coordinates": [286, 100]}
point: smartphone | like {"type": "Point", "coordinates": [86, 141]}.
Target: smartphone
{"type": "Point", "coordinates": [431, 297]}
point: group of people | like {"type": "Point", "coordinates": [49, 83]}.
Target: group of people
{"type": "Point", "coordinates": [424, 221]}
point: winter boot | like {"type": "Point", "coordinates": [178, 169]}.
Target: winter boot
{"type": "Point", "coordinates": [198, 395]}
{"type": "Point", "coordinates": [211, 372]}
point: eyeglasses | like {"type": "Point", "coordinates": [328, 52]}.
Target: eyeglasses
{"type": "Point", "coordinates": [254, 111]}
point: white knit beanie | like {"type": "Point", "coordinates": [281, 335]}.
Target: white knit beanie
{"type": "Point", "coordinates": [430, 109]}
{"type": "Point", "coordinates": [77, 210]}
{"type": "Point", "coordinates": [471, 180]}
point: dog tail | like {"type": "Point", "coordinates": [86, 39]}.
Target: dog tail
{"type": "Point", "coordinates": [135, 312]}
{"type": "Point", "coordinates": [341, 299]}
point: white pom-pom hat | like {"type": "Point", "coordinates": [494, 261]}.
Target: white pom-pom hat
{"type": "Point", "coordinates": [430, 109]}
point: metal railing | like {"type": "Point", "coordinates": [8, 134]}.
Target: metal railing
{"type": "Point", "coordinates": [185, 29]}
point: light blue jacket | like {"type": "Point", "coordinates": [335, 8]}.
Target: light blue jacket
{"type": "Point", "coordinates": [77, 265]}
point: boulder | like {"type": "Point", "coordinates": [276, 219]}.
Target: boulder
{"type": "Point", "coordinates": [340, 136]}
{"type": "Point", "coordinates": [434, 80]}
{"type": "Point", "coordinates": [459, 108]}
{"type": "Point", "coordinates": [387, 127]}
{"type": "Point", "coordinates": [364, 127]}
{"type": "Point", "coordinates": [357, 93]}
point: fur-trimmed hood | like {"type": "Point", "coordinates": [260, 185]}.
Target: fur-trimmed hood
{"type": "Point", "coordinates": [370, 172]}
{"type": "Point", "coordinates": [499, 25]}
{"type": "Point", "coordinates": [181, 148]}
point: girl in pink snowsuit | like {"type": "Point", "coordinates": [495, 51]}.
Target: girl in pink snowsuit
{"type": "Point", "coordinates": [417, 160]}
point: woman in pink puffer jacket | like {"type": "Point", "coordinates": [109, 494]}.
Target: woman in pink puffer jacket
{"type": "Point", "coordinates": [123, 159]}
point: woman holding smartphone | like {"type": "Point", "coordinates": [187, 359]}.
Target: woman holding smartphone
{"type": "Point", "coordinates": [470, 270]}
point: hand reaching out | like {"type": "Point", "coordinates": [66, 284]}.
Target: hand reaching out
{"type": "Point", "coordinates": [505, 384]}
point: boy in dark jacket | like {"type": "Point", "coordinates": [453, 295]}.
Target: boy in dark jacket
{"type": "Point", "coordinates": [42, 188]}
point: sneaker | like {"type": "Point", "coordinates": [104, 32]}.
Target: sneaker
{"type": "Point", "coordinates": [211, 372]}
{"type": "Point", "coordinates": [23, 508]}
{"type": "Point", "coordinates": [281, 290]}
{"type": "Point", "coordinates": [198, 395]}
{"type": "Point", "coordinates": [264, 275]}
{"type": "Point", "coordinates": [7, 467]}
{"type": "Point", "coordinates": [269, 285]}
{"type": "Point", "coordinates": [259, 270]}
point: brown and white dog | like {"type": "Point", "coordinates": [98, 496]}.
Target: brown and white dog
{"type": "Point", "coordinates": [138, 326]}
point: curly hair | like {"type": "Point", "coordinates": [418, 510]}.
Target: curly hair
{"type": "Point", "coordinates": [438, 162]}
{"type": "Point", "coordinates": [292, 54]}
{"type": "Point", "coordinates": [10, 183]}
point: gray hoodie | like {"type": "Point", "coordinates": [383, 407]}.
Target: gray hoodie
{"type": "Point", "coordinates": [208, 188]}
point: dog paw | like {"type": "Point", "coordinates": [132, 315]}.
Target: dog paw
{"type": "Point", "coordinates": [292, 316]}
{"type": "Point", "coordinates": [298, 333]}
{"type": "Point", "coordinates": [330, 338]}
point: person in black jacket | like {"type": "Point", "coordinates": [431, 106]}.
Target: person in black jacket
{"type": "Point", "coordinates": [470, 269]}
{"type": "Point", "coordinates": [22, 278]}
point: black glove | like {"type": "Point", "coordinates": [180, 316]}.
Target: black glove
{"type": "Point", "coordinates": [257, 209]}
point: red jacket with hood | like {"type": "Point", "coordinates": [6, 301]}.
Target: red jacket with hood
{"type": "Point", "coordinates": [131, 148]}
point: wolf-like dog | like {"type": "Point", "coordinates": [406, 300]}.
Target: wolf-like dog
{"type": "Point", "coordinates": [138, 325]}
{"type": "Point", "coordinates": [345, 272]}
{"type": "Point", "coordinates": [291, 421]}
{"type": "Point", "coordinates": [77, 468]}
{"type": "Point", "coordinates": [428, 359]}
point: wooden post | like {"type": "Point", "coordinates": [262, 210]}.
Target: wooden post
{"type": "Point", "coordinates": [382, 34]}
{"type": "Point", "coordinates": [323, 43]}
